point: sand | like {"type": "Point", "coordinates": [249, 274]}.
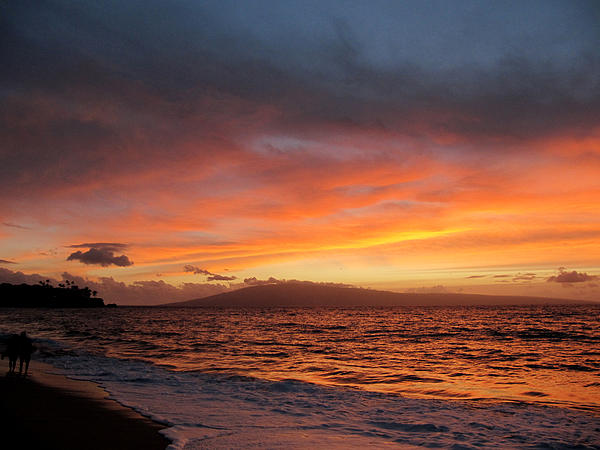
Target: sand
{"type": "Point", "coordinates": [50, 411]}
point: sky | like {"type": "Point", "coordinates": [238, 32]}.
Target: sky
{"type": "Point", "coordinates": [162, 150]}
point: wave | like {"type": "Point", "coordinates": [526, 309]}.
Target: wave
{"type": "Point", "coordinates": [218, 410]}
{"type": "Point", "coordinates": [549, 334]}
{"type": "Point", "coordinates": [268, 355]}
{"type": "Point", "coordinates": [376, 350]}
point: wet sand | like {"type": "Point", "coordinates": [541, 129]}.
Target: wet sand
{"type": "Point", "coordinates": [53, 412]}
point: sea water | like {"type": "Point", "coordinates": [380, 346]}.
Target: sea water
{"type": "Point", "coordinates": [461, 377]}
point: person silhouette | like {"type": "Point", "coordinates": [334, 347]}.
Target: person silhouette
{"type": "Point", "coordinates": [26, 348]}
{"type": "Point", "coordinates": [12, 351]}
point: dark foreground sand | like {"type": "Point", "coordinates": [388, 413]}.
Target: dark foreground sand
{"type": "Point", "coordinates": [47, 411]}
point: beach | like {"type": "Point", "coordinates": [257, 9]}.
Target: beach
{"type": "Point", "coordinates": [45, 410]}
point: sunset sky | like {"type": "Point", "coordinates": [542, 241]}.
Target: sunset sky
{"type": "Point", "coordinates": [165, 150]}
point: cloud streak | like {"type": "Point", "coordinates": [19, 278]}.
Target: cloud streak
{"type": "Point", "coordinates": [14, 225]}
{"type": "Point", "coordinates": [210, 276]}
{"type": "Point", "coordinates": [196, 270]}
{"type": "Point", "coordinates": [217, 277]}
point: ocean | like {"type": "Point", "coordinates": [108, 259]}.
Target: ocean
{"type": "Point", "coordinates": [450, 377]}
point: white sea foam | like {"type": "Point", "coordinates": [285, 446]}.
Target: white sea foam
{"type": "Point", "coordinates": [219, 411]}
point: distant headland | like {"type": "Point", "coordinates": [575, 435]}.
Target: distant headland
{"type": "Point", "coordinates": [44, 295]}
{"type": "Point", "coordinates": [300, 293]}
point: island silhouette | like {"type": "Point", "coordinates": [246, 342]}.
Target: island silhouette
{"type": "Point", "coordinates": [309, 294]}
{"type": "Point", "coordinates": [44, 295]}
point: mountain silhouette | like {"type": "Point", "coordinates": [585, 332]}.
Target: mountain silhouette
{"type": "Point", "coordinates": [315, 294]}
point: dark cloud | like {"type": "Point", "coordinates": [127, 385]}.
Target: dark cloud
{"type": "Point", "coordinates": [218, 277]}
{"type": "Point", "coordinates": [5, 261]}
{"type": "Point", "coordinates": [196, 270]}
{"type": "Point", "coordinates": [210, 276]}
{"type": "Point", "coordinates": [571, 277]}
{"type": "Point", "coordinates": [502, 276]}
{"type": "Point", "coordinates": [102, 254]}
{"type": "Point", "coordinates": [476, 276]}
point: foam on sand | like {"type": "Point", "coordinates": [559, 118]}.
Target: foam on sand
{"type": "Point", "coordinates": [220, 411]}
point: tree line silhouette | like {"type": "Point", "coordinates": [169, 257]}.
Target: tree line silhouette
{"type": "Point", "coordinates": [45, 295]}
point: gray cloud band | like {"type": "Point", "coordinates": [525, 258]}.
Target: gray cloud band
{"type": "Point", "coordinates": [483, 82]}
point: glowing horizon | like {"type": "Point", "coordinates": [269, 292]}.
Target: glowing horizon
{"type": "Point", "coordinates": [323, 150]}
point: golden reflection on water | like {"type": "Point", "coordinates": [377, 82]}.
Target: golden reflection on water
{"type": "Point", "coordinates": [537, 354]}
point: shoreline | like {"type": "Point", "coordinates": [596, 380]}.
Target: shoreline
{"type": "Point", "coordinates": [46, 410]}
